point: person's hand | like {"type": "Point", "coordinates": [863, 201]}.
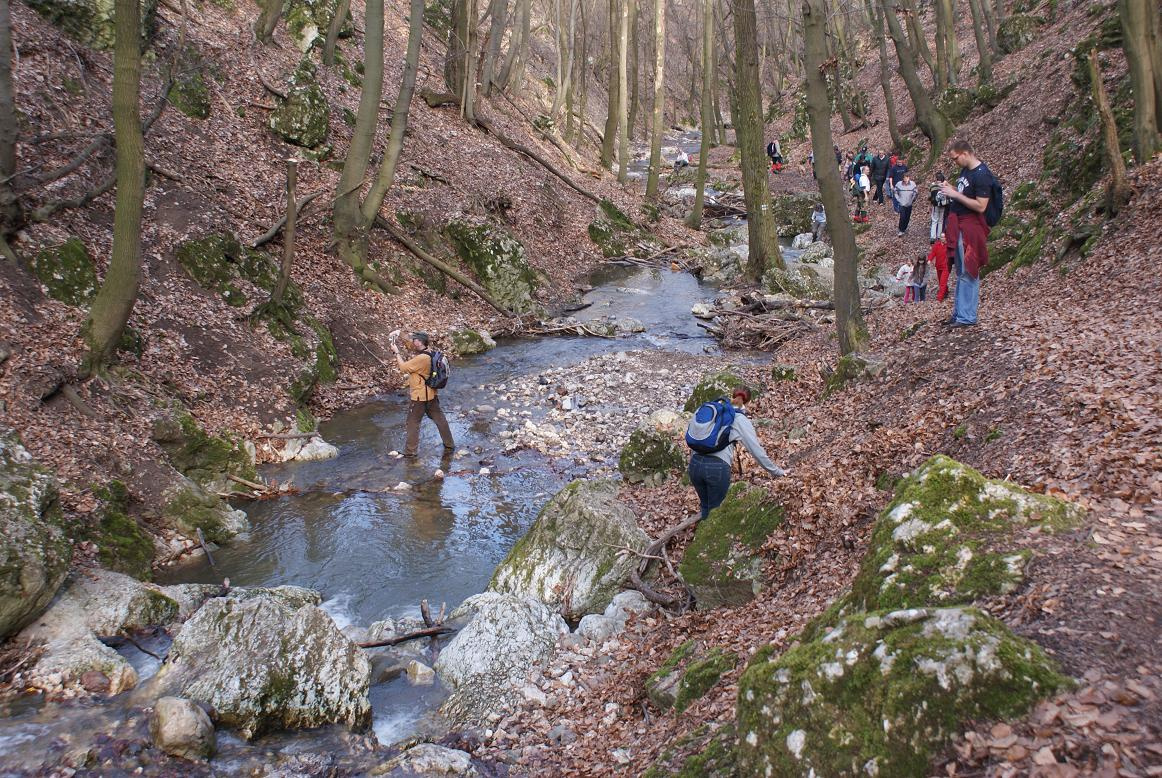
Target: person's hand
{"type": "Point", "coordinates": [947, 189]}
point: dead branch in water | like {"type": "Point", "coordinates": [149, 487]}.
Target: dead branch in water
{"type": "Point", "coordinates": [430, 632]}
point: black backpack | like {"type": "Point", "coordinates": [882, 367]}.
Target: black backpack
{"type": "Point", "coordinates": [438, 378]}
{"type": "Point", "coordinates": [996, 205]}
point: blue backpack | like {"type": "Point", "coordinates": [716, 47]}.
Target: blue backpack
{"type": "Point", "coordinates": [709, 431]}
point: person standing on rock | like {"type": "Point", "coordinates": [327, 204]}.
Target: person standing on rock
{"type": "Point", "coordinates": [710, 473]}
{"type": "Point", "coordinates": [818, 222]}
{"type": "Point", "coordinates": [425, 400]}
{"type": "Point", "coordinates": [966, 230]}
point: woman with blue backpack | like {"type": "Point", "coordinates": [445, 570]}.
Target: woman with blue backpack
{"type": "Point", "coordinates": [718, 425]}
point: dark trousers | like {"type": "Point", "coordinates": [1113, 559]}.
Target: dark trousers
{"type": "Point", "coordinates": [710, 477]}
{"type": "Point", "coordinates": [417, 411]}
{"type": "Point", "coordinates": [879, 195]}
{"type": "Point", "coordinates": [905, 217]}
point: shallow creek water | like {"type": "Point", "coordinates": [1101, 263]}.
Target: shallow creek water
{"type": "Point", "coordinates": [374, 553]}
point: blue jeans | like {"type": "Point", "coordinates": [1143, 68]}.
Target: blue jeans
{"type": "Point", "coordinates": [967, 290]}
{"type": "Point", "coordinates": [711, 479]}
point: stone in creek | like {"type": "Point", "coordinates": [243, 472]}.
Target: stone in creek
{"type": "Point", "coordinates": [702, 310]}
{"type": "Point", "coordinates": [428, 759]}
{"type": "Point", "coordinates": [419, 674]}
{"type": "Point", "coordinates": [181, 728]}
{"type": "Point", "coordinates": [599, 628]}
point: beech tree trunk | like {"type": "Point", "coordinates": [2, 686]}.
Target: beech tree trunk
{"type": "Point", "coordinates": [288, 235]}
{"type": "Point", "coordinates": [748, 128]}
{"type": "Point", "coordinates": [10, 219]}
{"type": "Point", "coordinates": [632, 76]}
{"type": "Point", "coordinates": [707, 113]}
{"type": "Point", "coordinates": [114, 301]}
{"type": "Point", "coordinates": [1141, 42]}
{"type": "Point", "coordinates": [980, 32]}
{"type": "Point", "coordinates": [916, 35]}
{"type": "Point", "coordinates": [949, 37]}
{"type": "Point", "coordinates": [498, 10]}
{"type": "Point", "coordinates": [333, 30]}
{"type": "Point", "coordinates": [657, 125]}
{"type": "Point", "coordinates": [623, 92]}
{"type": "Point", "coordinates": [513, 71]}
{"type": "Point", "coordinates": [1117, 190]}
{"type": "Point", "coordinates": [267, 20]}
{"type": "Point", "coordinates": [932, 122]}
{"type": "Point", "coordinates": [877, 19]}
{"type": "Point", "coordinates": [940, 73]}
{"type": "Point", "coordinates": [459, 67]}
{"type": "Point", "coordinates": [849, 322]}
{"type": "Point", "coordinates": [609, 136]}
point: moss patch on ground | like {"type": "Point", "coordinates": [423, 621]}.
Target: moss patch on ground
{"type": "Point", "coordinates": [67, 272]}
{"type": "Point", "coordinates": [723, 564]}
{"type": "Point", "coordinates": [701, 675]}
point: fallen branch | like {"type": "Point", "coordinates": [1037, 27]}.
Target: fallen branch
{"type": "Point", "coordinates": [443, 267]}
{"type": "Point", "coordinates": [202, 543]}
{"type": "Point", "coordinates": [250, 484]}
{"type": "Point", "coordinates": [274, 90]}
{"type": "Point", "coordinates": [430, 632]}
{"type": "Point", "coordinates": [268, 236]}
{"type": "Point", "coordinates": [507, 142]}
{"type": "Point", "coordinates": [287, 435]}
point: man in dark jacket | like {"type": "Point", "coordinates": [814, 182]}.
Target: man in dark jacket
{"type": "Point", "coordinates": [879, 173]}
{"type": "Point", "coordinates": [895, 174]}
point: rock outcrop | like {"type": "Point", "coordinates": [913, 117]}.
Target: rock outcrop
{"type": "Point", "coordinates": [504, 640]}
{"type": "Point", "coordinates": [723, 565]}
{"type": "Point", "coordinates": [570, 558]}
{"type": "Point", "coordinates": [35, 547]}
{"type": "Point", "coordinates": [498, 260]}
{"type": "Point", "coordinates": [650, 455]}
{"type": "Point", "coordinates": [268, 660]}
{"type": "Point", "coordinates": [94, 604]}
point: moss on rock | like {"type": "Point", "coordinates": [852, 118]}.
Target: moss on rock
{"type": "Point", "coordinates": [189, 93]}
{"type": "Point", "coordinates": [701, 675]}
{"type": "Point", "coordinates": [308, 20]}
{"type": "Point", "coordinates": [851, 367]}
{"type": "Point", "coordinates": [946, 539]}
{"type": "Point", "coordinates": [188, 508]}
{"type": "Point", "coordinates": [498, 260]}
{"type": "Point", "coordinates": [723, 564]}
{"type": "Point", "coordinates": [882, 693]}
{"type": "Point", "coordinates": [92, 21]}
{"type": "Point", "coordinates": [200, 456]}
{"type": "Point", "coordinates": [303, 117]}
{"type": "Point", "coordinates": [649, 454]}
{"type": "Point", "coordinates": [710, 755]}
{"type": "Point", "coordinates": [67, 272]}
{"type": "Point", "coordinates": [783, 373]}
{"type": "Point", "coordinates": [616, 234]}
{"type": "Point", "coordinates": [801, 281]}
{"type": "Point", "coordinates": [712, 386]}
{"type": "Point", "coordinates": [468, 341]}
{"type": "Point", "coordinates": [1017, 31]}
{"type": "Point", "coordinates": [122, 545]}
{"type": "Point", "coordinates": [792, 213]}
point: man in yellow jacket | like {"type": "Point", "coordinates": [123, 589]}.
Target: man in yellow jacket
{"type": "Point", "coordinates": [424, 399]}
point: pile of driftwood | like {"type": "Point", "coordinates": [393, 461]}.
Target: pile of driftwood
{"type": "Point", "coordinates": [671, 257]}
{"type": "Point", "coordinates": [764, 323]}
{"type": "Point", "coordinates": [723, 205]}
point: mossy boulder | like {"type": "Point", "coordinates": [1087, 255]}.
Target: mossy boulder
{"type": "Point", "coordinates": [220, 263]}
{"type": "Point", "coordinates": [616, 234]}
{"type": "Point", "coordinates": [302, 118]}
{"type": "Point", "coordinates": [122, 545]}
{"type": "Point", "coordinates": [882, 693]}
{"type": "Point", "coordinates": [1017, 31]}
{"type": "Point", "coordinates": [187, 508]}
{"type": "Point", "coordinates": [723, 565]}
{"type": "Point", "coordinates": [712, 386]}
{"type": "Point", "coordinates": [323, 370]}
{"type": "Point", "coordinates": [783, 373]}
{"type": "Point", "coordinates": [307, 21]}
{"type": "Point", "coordinates": [703, 753]}
{"type": "Point", "coordinates": [649, 454]}
{"type": "Point", "coordinates": [570, 558]}
{"type": "Point", "coordinates": [792, 213]}
{"type": "Point", "coordinates": [67, 272]}
{"type": "Point", "coordinates": [189, 93]}
{"type": "Point", "coordinates": [205, 458]}
{"type": "Point", "coordinates": [35, 542]}
{"type": "Point", "coordinates": [468, 341]}
{"type": "Point", "coordinates": [948, 539]}
{"type": "Point", "coordinates": [687, 674]}
{"type": "Point", "coordinates": [801, 281]}
{"type": "Point", "coordinates": [957, 103]}
{"type": "Point", "coordinates": [91, 22]}
{"type": "Point", "coordinates": [498, 261]}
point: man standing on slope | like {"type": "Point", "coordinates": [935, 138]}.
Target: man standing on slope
{"type": "Point", "coordinates": [966, 230]}
{"type": "Point", "coordinates": [424, 399]}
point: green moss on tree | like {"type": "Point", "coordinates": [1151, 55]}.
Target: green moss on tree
{"type": "Point", "coordinates": [67, 272]}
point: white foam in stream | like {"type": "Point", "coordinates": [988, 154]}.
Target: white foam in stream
{"type": "Point", "coordinates": [339, 609]}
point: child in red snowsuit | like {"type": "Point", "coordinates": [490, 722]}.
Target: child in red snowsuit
{"type": "Point", "coordinates": [938, 256]}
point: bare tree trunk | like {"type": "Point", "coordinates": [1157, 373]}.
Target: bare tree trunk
{"type": "Point", "coordinates": [842, 94]}
{"type": "Point", "coordinates": [583, 84]}
{"type": "Point", "coordinates": [385, 177]}
{"type": "Point", "coordinates": [288, 235]}
{"type": "Point", "coordinates": [341, 13]}
{"type": "Point", "coordinates": [623, 92]}
{"type": "Point", "coordinates": [114, 301]}
{"type": "Point", "coordinates": [985, 66]}
{"type": "Point", "coordinates": [459, 67]}
{"type": "Point", "coordinates": [940, 74]}
{"type": "Point", "coordinates": [707, 115]}
{"type": "Point", "coordinates": [267, 20]}
{"type": "Point", "coordinates": [633, 68]}
{"type": "Point", "coordinates": [498, 10]}
{"type": "Point", "coordinates": [658, 124]}
{"type": "Point", "coordinates": [849, 322]}
{"type": "Point", "coordinates": [609, 136]}
{"type": "Point", "coordinates": [570, 87]}
{"type": "Point", "coordinates": [748, 127]}
{"type": "Point", "coordinates": [1139, 41]}
{"type": "Point", "coordinates": [10, 219]}
{"type": "Point", "coordinates": [514, 64]}
{"type": "Point", "coordinates": [950, 41]}
{"type": "Point", "coordinates": [877, 19]}
{"type": "Point", "coordinates": [1118, 190]}
{"type": "Point", "coordinates": [932, 122]}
